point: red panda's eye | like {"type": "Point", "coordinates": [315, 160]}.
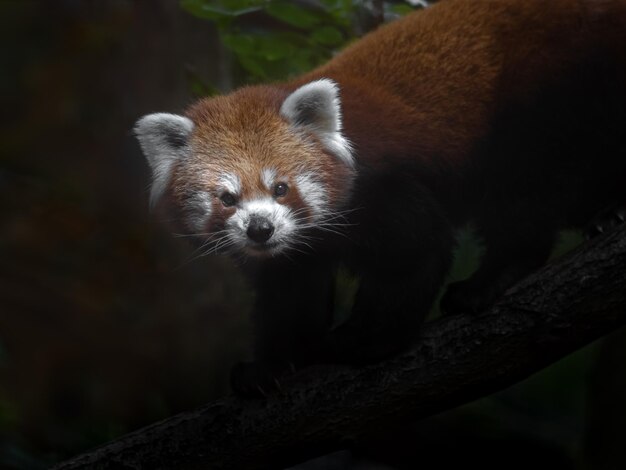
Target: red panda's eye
{"type": "Point", "coordinates": [280, 189]}
{"type": "Point", "coordinates": [228, 199]}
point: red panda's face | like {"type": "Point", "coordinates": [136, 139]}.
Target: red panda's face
{"type": "Point", "coordinates": [254, 171]}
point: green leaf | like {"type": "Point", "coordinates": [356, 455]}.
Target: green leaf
{"type": "Point", "coordinates": [293, 15]}
{"type": "Point", "coordinates": [327, 35]}
{"type": "Point", "coordinates": [217, 11]}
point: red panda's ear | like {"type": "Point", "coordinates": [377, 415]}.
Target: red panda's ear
{"type": "Point", "coordinates": [316, 106]}
{"type": "Point", "coordinates": [164, 138]}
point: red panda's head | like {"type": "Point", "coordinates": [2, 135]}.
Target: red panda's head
{"type": "Point", "coordinates": [252, 171]}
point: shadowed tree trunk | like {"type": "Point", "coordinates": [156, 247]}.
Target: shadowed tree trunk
{"type": "Point", "coordinates": [555, 311]}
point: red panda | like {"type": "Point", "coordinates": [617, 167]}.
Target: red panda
{"type": "Point", "coordinates": [508, 114]}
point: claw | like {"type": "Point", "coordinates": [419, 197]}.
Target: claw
{"type": "Point", "coordinates": [292, 367]}
{"type": "Point", "coordinates": [278, 386]}
{"type": "Point", "coordinates": [261, 391]}
{"type": "Point", "coordinates": [621, 215]}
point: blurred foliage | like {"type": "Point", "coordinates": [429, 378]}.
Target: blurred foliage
{"type": "Point", "coordinates": [278, 39]}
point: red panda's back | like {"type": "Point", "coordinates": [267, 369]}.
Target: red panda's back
{"type": "Point", "coordinates": [446, 71]}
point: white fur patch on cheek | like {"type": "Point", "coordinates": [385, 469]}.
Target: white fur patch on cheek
{"type": "Point", "coordinates": [239, 220]}
{"type": "Point", "coordinates": [237, 224]}
{"type": "Point", "coordinates": [313, 193]}
{"type": "Point", "coordinates": [198, 211]}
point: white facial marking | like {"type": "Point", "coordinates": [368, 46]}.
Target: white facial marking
{"type": "Point", "coordinates": [230, 182]}
{"type": "Point", "coordinates": [268, 176]}
{"type": "Point", "coordinates": [277, 214]}
{"type": "Point", "coordinates": [316, 106]}
{"type": "Point", "coordinates": [163, 138]}
{"type": "Point", "coordinates": [313, 192]}
{"type": "Point", "coordinates": [199, 208]}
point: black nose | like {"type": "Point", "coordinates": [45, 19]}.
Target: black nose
{"type": "Point", "coordinates": [260, 229]}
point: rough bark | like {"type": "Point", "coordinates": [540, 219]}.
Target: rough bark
{"type": "Point", "coordinates": [557, 310]}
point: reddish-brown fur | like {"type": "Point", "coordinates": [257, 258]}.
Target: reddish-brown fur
{"type": "Point", "coordinates": [426, 87]}
{"type": "Point", "coordinates": [243, 134]}
{"type": "Point", "coordinates": [508, 113]}
{"type": "Point", "coordinates": [432, 81]}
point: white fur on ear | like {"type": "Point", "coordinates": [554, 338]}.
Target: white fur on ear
{"type": "Point", "coordinates": [316, 106]}
{"type": "Point", "coordinates": [164, 139]}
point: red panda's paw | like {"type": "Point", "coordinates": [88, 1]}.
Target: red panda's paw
{"type": "Point", "coordinates": [258, 379]}
{"type": "Point", "coordinates": [605, 221]}
{"type": "Point", "coordinates": [467, 297]}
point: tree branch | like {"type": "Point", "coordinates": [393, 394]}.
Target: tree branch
{"type": "Point", "coordinates": [560, 308]}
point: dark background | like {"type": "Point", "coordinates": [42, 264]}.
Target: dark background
{"type": "Point", "coordinates": [108, 322]}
